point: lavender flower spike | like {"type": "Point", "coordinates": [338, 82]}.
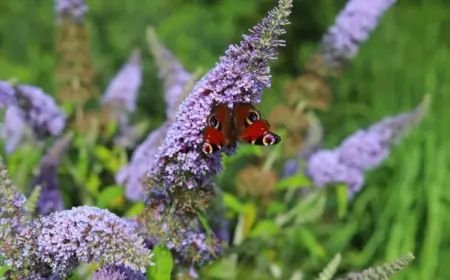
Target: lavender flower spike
{"type": "Point", "coordinates": [362, 151]}
{"type": "Point", "coordinates": [116, 272]}
{"type": "Point", "coordinates": [240, 76]}
{"type": "Point", "coordinates": [171, 71]}
{"type": "Point", "coordinates": [40, 111]}
{"type": "Point", "coordinates": [12, 207]}
{"type": "Point", "coordinates": [50, 199]}
{"type": "Point", "coordinates": [14, 128]}
{"type": "Point", "coordinates": [133, 175]}
{"type": "Point", "coordinates": [352, 27]}
{"type": "Point", "coordinates": [73, 8]}
{"type": "Point", "coordinates": [59, 242]}
{"type": "Point", "coordinates": [6, 94]}
{"type": "Point", "coordinates": [368, 148]}
{"type": "Point", "coordinates": [123, 90]}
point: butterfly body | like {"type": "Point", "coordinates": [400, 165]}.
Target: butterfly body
{"type": "Point", "coordinates": [226, 126]}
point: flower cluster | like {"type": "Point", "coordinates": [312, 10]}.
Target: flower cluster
{"type": "Point", "coordinates": [362, 151]}
{"type": "Point", "coordinates": [117, 272]}
{"type": "Point", "coordinates": [352, 27]}
{"type": "Point", "coordinates": [73, 8]}
{"type": "Point", "coordinates": [40, 110]}
{"type": "Point", "coordinates": [59, 242]}
{"type": "Point", "coordinates": [171, 71]}
{"type": "Point", "coordinates": [132, 176]}
{"type": "Point", "coordinates": [50, 199]}
{"type": "Point", "coordinates": [123, 90]}
{"type": "Point", "coordinates": [12, 202]}
{"type": "Point", "coordinates": [6, 94]}
{"type": "Point", "coordinates": [13, 129]}
{"type": "Point", "coordinates": [240, 76]}
{"type": "Point", "coordinates": [185, 236]}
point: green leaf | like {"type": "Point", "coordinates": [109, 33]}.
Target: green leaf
{"type": "Point", "coordinates": [3, 269]}
{"type": "Point", "coordinates": [108, 195]}
{"type": "Point", "coordinates": [163, 264]}
{"type": "Point", "coordinates": [249, 218]}
{"type": "Point", "coordinates": [310, 241]}
{"type": "Point", "coordinates": [135, 210]}
{"type": "Point", "coordinates": [102, 153]}
{"type": "Point", "coordinates": [293, 182]}
{"type": "Point", "coordinates": [233, 203]}
{"type": "Point", "coordinates": [275, 207]}
{"type": "Point", "coordinates": [265, 228]}
{"type": "Point", "coordinates": [342, 199]}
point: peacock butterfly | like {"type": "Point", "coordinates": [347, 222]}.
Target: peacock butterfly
{"type": "Point", "coordinates": [226, 126]}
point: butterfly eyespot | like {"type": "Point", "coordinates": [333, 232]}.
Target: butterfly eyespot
{"type": "Point", "coordinates": [252, 117]}
{"type": "Point", "coordinates": [270, 139]}
{"type": "Point", "coordinates": [213, 121]}
{"type": "Point", "coordinates": [207, 148]}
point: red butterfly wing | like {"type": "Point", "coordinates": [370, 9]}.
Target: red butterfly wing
{"type": "Point", "coordinates": [251, 127]}
{"type": "Point", "coordinates": [214, 133]}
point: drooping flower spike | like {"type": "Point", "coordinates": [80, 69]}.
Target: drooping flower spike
{"type": "Point", "coordinates": [239, 77]}
{"type": "Point", "coordinates": [362, 151]}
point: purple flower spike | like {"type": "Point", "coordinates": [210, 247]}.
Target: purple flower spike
{"type": "Point", "coordinates": [362, 151]}
{"type": "Point", "coordinates": [14, 128]}
{"type": "Point", "coordinates": [73, 8]}
{"type": "Point", "coordinates": [123, 90]}
{"type": "Point", "coordinates": [240, 76]}
{"type": "Point", "coordinates": [353, 26]}
{"type": "Point", "coordinates": [171, 71]}
{"type": "Point", "coordinates": [50, 199]}
{"type": "Point", "coordinates": [6, 94]}
{"type": "Point", "coordinates": [116, 272]}
{"type": "Point", "coordinates": [367, 149]}
{"type": "Point", "coordinates": [143, 159]}
{"type": "Point", "coordinates": [40, 110]}
{"type": "Point", "coordinates": [59, 242]}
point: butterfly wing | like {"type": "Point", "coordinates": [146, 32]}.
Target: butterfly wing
{"type": "Point", "coordinates": [214, 133]}
{"type": "Point", "coordinates": [251, 128]}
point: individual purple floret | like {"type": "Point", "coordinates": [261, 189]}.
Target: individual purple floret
{"type": "Point", "coordinates": [117, 272]}
{"type": "Point", "coordinates": [352, 27]}
{"type": "Point", "coordinates": [73, 8]}
{"type": "Point", "coordinates": [6, 94]}
{"type": "Point", "coordinates": [122, 92]}
{"type": "Point", "coordinates": [40, 111]}
{"type": "Point", "coordinates": [132, 176]}
{"type": "Point", "coordinates": [59, 242]}
{"type": "Point", "coordinates": [171, 71]}
{"type": "Point", "coordinates": [240, 76]}
{"type": "Point", "coordinates": [14, 128]}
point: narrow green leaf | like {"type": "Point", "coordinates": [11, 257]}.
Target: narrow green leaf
{"type": "Point", "coordinates": [265, 228]}
{"type": "Point", "coordinates": [233, 203]}
{"type": "Point", "coordinates": [163, 264]}
{"type": "Point", "coordinates": [293, 182]}
{"type": "Point", "coordinates": [342, 199]}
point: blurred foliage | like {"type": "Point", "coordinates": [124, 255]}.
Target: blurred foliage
{"type": "Point", "coordinates": [287, 231]}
